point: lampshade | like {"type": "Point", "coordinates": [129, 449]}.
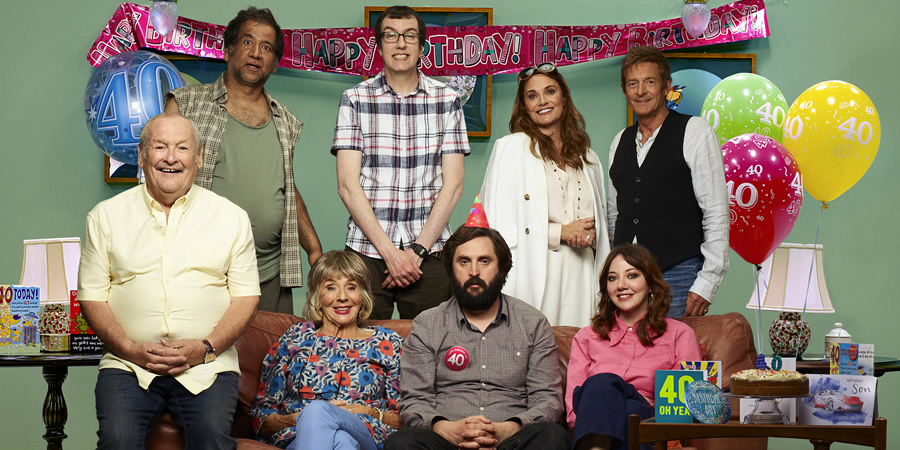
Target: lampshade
{"type": "Point", "coordinates": [783, 280]}
{"type": "Point", "coordinates": [52, 265]}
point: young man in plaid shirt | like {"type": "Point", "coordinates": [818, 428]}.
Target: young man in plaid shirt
{"type": "Point", "coordinates": [400, 140]}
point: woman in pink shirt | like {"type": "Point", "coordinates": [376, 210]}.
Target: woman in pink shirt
{"type": "Point", "coordinates": [613, 362]}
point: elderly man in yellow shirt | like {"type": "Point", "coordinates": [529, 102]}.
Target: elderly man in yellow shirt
{"type": "Point", "coordinates": [168, 280]}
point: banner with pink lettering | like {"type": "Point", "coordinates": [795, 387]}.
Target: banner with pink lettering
{"type": "Point", "coordinates": [448, 50]}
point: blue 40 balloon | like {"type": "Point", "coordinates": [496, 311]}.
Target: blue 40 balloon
{"type": "Point", "coordinates": [122, 95]}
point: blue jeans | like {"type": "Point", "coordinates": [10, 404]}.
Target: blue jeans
{"type": "Point", "coordinates": [680, 278]}
{"type": "Point", "coordinates": [126, 411]}
{"type": "Point", "coordinates": [321, 425]}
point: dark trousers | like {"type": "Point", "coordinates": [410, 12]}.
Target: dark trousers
{"type": "Point", "coordinates": [538, 436]}
{"type": "Point", "coordinates": [432, 289]}
{"type": "Point", "coordinates": [126, 411]}
{"type": "Point", "coordinates": [275, 298]}
{"type": "Point", "coordinates": [602, 406]}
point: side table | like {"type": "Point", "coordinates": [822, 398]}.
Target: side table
{"type": "Point", "coordinates": [821, 436]}
{"type": "Point", "coordinates": [56, 368]}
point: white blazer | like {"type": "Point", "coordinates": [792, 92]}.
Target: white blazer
{"type": "Point", "coordinates": [514, 195]}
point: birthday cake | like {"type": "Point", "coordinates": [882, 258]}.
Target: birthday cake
{"type": "Point", "coordinates": [769, 383]}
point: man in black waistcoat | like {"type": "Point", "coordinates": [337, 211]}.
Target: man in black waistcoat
{"type": "Point", "coordinates": [667, 187]}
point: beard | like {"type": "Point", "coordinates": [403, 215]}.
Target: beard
{"type": "Point", "coordinates": [481, 301]}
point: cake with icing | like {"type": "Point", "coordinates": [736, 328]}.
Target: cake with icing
{"type": "Point", "coordinates": [769, 383]}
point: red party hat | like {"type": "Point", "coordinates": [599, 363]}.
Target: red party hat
{"type": "Point", "coordinates": [477, 218]}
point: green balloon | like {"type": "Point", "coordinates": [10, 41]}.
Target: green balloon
{"type": "Point", "coordinates": [745, 103]}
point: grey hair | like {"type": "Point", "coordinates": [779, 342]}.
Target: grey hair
{"type": "Point", "coordinates": [144, 140]}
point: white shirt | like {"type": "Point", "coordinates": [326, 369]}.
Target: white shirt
{"type": "Point", "coordinates": [703, 155]}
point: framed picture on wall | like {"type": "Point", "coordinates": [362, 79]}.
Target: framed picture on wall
{"type": "Point", "coordinates": [695, 74]}
{"type": "Point", "coordinates": [475, 91]}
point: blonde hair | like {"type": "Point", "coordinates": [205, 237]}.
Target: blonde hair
{"type": "Point", "coordinates": [333, 265]}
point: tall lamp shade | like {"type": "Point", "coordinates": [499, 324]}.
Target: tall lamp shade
{"type": "Point", "coordinates": [51, 265]}
{"type": "Point", "coordinates": [783, 281]}
{"type": "Point", "coordinates": [791, 280]}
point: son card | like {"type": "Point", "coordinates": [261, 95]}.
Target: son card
{"type": "Point", "coordinates": [838, 400]}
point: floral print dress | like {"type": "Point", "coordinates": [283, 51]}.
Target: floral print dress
{"type": "Point", "coordinates": [302, 367]}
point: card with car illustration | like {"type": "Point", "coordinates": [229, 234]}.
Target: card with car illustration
{"type": "Point", "coordinates": [838, 400]}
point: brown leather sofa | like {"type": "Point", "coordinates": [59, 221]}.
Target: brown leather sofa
{"type": "Point", "coordinates": [727, 338]}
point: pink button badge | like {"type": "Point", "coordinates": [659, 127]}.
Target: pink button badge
{"type": "Point", "coordinates": [456, 359]}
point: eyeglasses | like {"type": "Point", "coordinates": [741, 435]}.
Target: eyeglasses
{"type": "Point", "coordinates": [546, 67]}
{"type": "Point", "coordinates": [391, 37]}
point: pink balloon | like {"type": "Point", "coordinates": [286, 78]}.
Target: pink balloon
{"type": "Point", "coordinates": [765, 193]}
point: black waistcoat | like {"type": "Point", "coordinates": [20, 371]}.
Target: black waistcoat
{"type": "Point", "coordinates": [656, 201]}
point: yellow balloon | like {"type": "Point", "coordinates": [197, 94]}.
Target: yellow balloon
{"type": "Point", "coordinates": [833, 132]}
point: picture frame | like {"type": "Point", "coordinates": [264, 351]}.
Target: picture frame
{"type": "Point", "coordinates": [477, 110]}
{"type": "Point", "coordinates": [717, 66]}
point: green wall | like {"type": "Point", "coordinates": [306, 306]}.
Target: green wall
{"type": "Point", "coordinates": [51, 172]}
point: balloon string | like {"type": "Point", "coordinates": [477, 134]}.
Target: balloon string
{"type": "Point", "coordinates": [812, 264]}
{"type": "Point", "coordinates": [758, 308]}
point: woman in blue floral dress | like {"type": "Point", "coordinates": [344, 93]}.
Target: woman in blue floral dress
{"type": "Point", "coordinates": [329, 382]}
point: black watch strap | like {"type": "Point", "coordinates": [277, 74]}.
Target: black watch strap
{"type": "Point", "coordinates": [418, 249]}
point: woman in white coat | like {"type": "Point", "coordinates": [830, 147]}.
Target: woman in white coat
{"type": "Point", "coordinates": [544, 192]}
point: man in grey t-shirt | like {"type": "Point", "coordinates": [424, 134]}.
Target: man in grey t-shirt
{"type": "Point", "coordinates": [248, 139]}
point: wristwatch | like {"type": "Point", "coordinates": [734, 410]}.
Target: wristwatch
{"type": "Point", "coordinates": [210, 355]}
{"type": "Point", "coordinates": [418, 249]}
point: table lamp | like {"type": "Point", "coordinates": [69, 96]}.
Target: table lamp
{"type": "Point", "coordinates": [792, 280]}
{"type": "Point", "coordinates": [52, 266]}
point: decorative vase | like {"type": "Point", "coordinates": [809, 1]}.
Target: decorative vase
{"type": "Point", "coordinates": [786, 332]}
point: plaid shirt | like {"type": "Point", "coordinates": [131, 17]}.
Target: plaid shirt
{"type": "Point", "coordinates": [205, 105]}
{"type": "Point", "coordinates": [402, 140]}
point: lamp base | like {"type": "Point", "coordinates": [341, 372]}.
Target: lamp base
{"type": "Point", "coordinates": [789, 336]}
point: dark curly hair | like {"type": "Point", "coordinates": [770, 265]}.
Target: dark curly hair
{"type": "Point", "coordinates": [575, 139]}
{"type": "Point", "coordinates": [261, 15]}
{"type": "Point", "coordinates": [641, 259]}
{"type": "Point", "coordinates": [465, 234]}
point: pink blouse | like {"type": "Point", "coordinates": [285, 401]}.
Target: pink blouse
{"type": "Point", "coordinates": [624, 355]}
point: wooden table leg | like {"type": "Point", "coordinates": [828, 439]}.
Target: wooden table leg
{"type": "Point", "coordinates": [819, 444]}
{"type": "Point", "coordinates": [55, 412]}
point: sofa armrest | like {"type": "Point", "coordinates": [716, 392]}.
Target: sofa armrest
{"type": "Point", "coordinates": [727, 338]}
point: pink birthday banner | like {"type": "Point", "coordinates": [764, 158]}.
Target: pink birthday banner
{"type": "Point", "coordinates": [449, 50]}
